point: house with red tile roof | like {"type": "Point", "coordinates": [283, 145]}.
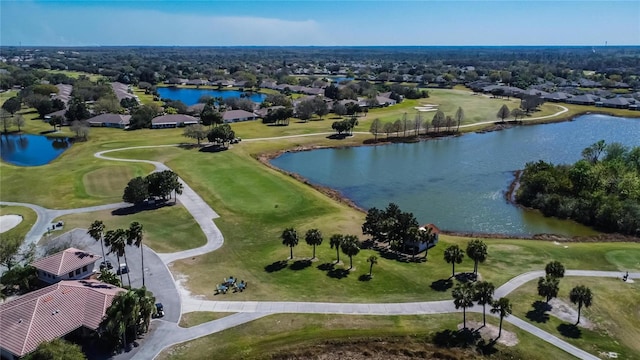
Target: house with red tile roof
{"type": "Point", "coordinates": [69, 264]}
{"type": "Point", "coordinates": [52, 312]}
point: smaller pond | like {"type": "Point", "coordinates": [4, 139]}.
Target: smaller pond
{"type": "Point", "coordinates": [191, 96]}
{"type": "Point", "coordinates": [31, 150]}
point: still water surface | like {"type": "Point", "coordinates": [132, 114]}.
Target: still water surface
{"type": "Point", "coordinates": [191, 96]}
{"type": "Point", "coordinates": [459, 183]}
{"type": "Point", "coordinates": [31, 150]}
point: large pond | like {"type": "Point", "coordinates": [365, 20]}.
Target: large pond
{"type": "Point", "coordinates": [31, 150]}
{"type": "Point", "coordinates": [191, 96]}
{"type": "Point", "coordinates": [459, 183]}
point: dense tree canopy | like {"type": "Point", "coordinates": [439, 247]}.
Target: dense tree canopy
{"type": "Point", "coordinates": [602, 189]}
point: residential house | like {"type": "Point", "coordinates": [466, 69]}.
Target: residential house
{"type": "Point", "coordinates": [262, 112]}
{"type": "Point", "coordinates": [586, 99]}
{"type": "Point", "coordinates": [61, 113]}
{"type": "Point", "coordinates": [123, 91]}
{"type": "Point", "coordinates": [238, 115]}
{"type": "Point", "coordinates": [557, 97]}
{"type": "Point", "coordinates": [617, 102]}
{"type": "Point", "coordinates": [64, 93]}
{"type": "Point", "coordinates": [197, 82]}
{"type": "Point", "coordinates": [110, 120]}
{"type": "Point", "coordinates": [195, 109]}
{"type": "Point", "coordinates": [67, 307]}
{"type": "Point", "coordinates": [172, 121]}
{"type": "Point", "coordinates": [69, 264]}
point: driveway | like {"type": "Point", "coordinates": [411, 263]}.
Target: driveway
{"type": "Point", "coordinates": [158, 278]}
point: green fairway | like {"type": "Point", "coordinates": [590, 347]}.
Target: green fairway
{"type": "Point", "coordinates": [75, 74]}
{"type": "Point", "coordinates": [256, 203]}
{"type": "Point", "coordinates": [167, 229]}
{"type": "Point", "coordinates": [108, 181]}
{"type": "Point", "coordinates": [18, 233]}
{"type": "Point", "coordinates": [309, 335]}
{"type": "Point", "coordinates": [614, 313]}
{"type": "Point", "coordinates": [200, 317]}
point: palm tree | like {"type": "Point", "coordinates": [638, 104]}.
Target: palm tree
{"type": "Point", "coordinates": [350, 247]}
{"type": "Point", "coordinates": [121, 315]}
{"type": "Point", "coordinates": [555, 269]}
{"type": "Point", "coordinates": [313, 237]}
{"type": "Point", "coordinates": [477, 251]}
{"type": "Point", "coordinates": [289, 238]}
{"type": "Point", "coordinates": [108, 277]}
{"type": "Point", "coordinates": [548, 287]}
{"type": "Point", "coordinates": [426, 236]}
{"type": "Point", "coordinates": [463, 298]}
{"type": "Point", "coordinates": [96, 231]}
{"type": "Point", "coordinates": [581, 295]}
{"type": "Point", "coordinates": [484, 295]}
{"type": "Point", "coordinates": [503, 308]}
{"type": "Point", "coordinates": [146, 303]}
{"type": "Point", "coordinates": [335, 241]}
{"type": "Point", "coordinates": [117, 242]}
{"type": "Point", "coordinates": [372, 260]}
{"type": "Point", "coordinates": [134, 236]}
{"type": "Point", "coordinates": [453, 255]}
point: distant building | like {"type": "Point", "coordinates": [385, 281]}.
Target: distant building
{"type": "Point", "coordinates": [67, 307]}
{"type": "Point", "coordinates": [123, 91]}
{"type": "Point", "coordinates": [110, 120]}
{"type": "Point", "coordinates": [69, 264]}
{"type": "Point", "coordinates": [172, 121]}
{"type": "Point", "coordinates": [238, 115]}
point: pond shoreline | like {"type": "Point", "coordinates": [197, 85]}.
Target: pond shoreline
{"type": "Point", "coordinates": [509, 193]}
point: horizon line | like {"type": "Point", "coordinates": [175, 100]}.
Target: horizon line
{"type": "Point", "coordinates": [321, 46]}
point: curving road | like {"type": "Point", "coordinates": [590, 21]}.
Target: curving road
{"type": "Point", "coordinates": [167, 334]}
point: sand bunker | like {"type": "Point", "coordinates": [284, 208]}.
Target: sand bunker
{"type": "Point", "coordinates": [8, 222]}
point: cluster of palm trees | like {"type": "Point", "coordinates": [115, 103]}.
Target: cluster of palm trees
{"type": "Point", "coordinates": [129, 313]}
{"type": "Point", "coordinates": [464, 294]}
{"type": "Point", "coordinates": [476, 250]}
{"type": "Point", "coordinates": [117, 240]}
{"type": "Point", "coordinates": [549, 286]}
{"type": "Point", "coordinates": [349, 244]}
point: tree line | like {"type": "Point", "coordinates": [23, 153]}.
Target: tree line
{"type": "Point", "coordinates": [602, 189]}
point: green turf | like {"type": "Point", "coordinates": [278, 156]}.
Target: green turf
{"type": "Point", "coordinates": [75, 74]}
{"type": "Point", "coordinates": [200, 317]}
{"type": "Point", "coordinates": [108, 181]}
{"type": "Point", "coordinates": [283, 333]}
{"type": "Point", "coordinates": [167, 229]}
{"type": "Point", "coordinates": [614, 312]}
{"type": "Point", "coordinates": [257, 203]}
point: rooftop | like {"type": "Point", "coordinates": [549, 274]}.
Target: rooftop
{"type": "Point", "coordinates": [65, 261]}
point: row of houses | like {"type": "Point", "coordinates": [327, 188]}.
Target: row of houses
{"type": "Point", "coordinates": [72, 304]}
{"type": "Point", "coordinates": [618, 102]}
{"type": "Point", "coordinates": [166, 121]}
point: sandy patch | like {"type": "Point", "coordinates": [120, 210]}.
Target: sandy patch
{"type": "Point", "coordinates": [569, 313]}
{"type": "Point", "coordinates": [490, 332]}
{"type": "Point", "coordinates": [181, 280]}
{"type": "Point", "coordinates": [630, 281]}
{"type": "Point", "coordinates": [8, 222]}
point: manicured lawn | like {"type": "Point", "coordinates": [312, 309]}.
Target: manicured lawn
{"type": "Point", "coordinates": [286, 333]}
{"type": "Point", "coordinates": [75, 74]}
{"type": "Point", "coordinates": [6, 95]}
{"type": "Point", "coordinates": [256, 203]}
{"type": "Point", "coordinates": [167, 229]}
{"type": "Point", "coordinates": [29, 218]}
{"type": "Point", "coordinates": [614, 312]}
{"type": "Point", "coordinates": [200, 317]}
{"type": "Point", "coordinates": [108, 181]}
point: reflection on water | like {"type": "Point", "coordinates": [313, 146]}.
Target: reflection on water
{"type": "Point", "coordinates": [459, 183]}
{"type": "Point", "coordinates": [31, 150]}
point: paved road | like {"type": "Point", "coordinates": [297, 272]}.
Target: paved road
{"type": "Point", "coordinates": [46, 216]}
{"type": "Point", "coordinates": [199, 209]}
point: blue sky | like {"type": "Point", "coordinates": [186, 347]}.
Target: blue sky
{"type": "Point", "coordinates": [228, 23]}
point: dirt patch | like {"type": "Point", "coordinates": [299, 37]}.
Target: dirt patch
{"type": "Point", "coordinates": [569, 313]}
{"type": "Point", "coordinates": [375, 349]}
{"type": "Point", "coordinates": [490, 332]}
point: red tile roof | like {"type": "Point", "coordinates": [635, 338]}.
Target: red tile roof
{"type": "Point", "coordinates": [434, 229]}
{"type": "Point", "coordinates": [65, 261]}
{"type": "Point", "coordinates": [52, 312]}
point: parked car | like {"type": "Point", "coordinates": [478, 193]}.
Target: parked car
{"type": "Point", "coordinates": [159, 310]}
{"type": "Point", "coordinates": [106, 265]}
{"type": "Point", "coordinates": [122, 269]}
